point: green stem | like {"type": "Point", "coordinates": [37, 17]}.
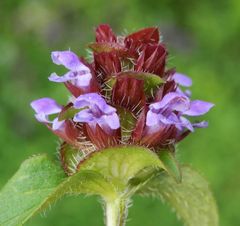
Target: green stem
{"type": "Point", "coordinates": [116, 212]}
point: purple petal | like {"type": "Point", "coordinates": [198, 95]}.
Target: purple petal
{"type": "Point", "coordinates": [55, 78]}
{"type": "Point", "coordinates": [83, 116]}
{"type": "Point", "coordinates": [111, 120]}
{"type": "Point", "coordinates": [93, 100]}
{"type": "Point", "coordinates": [81, 78]}
{"type": "Point", "coordinates": [152, 118]}
{"type": "Point", "coordinates": [89, 99]}
{"type": "Point", "coordinates": [198, 107]}
{"type": "Point", "coordinates": [186, 123]}
{"type": "Point", "coordinates": [165, 101]}
{"type": "Point", "coordinates": [186, 92]}
{"type": "Point", "coordinates": [58, 125]}
{"type": "Point", "coordinates": [69, 60]}
{"type": "Point", "coordinates": [202, 124]}
{"type": "Point", "coordinates": [46, 106]}
{"type": "Point", "coordinates": [171, 119]}
{"type": "Point", "coordinates": [41, 117]}
{"type": "Point", "coordinates": [174, 101]}
{"type": "Point", "coordinates": [182, 80]}
{"type": "Point", "coordinates": [108, 109]}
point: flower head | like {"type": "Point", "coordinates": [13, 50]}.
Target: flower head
{"type": "Point", "coordinates": [125, 95]}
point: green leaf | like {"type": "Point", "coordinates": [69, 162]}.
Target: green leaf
{"type": "Point", "coordinates": [192, 199]}
{"type": "Point", "coordinates": [39, 183]}
{"type": "Point", "coordinates": [171, 164]}
{"type": "Point", "coordinates": [28, 190]}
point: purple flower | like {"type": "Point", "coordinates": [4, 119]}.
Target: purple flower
{"type": "Point", "coordinates": [45, 107]}
{"type": "Point", "coordinates": [79, 74]}
{"type": "Point", "coordinates": [95, 110]}
{"type": "Point", "coordinates": [182, 80]}
{"type": "Point", "coordinates": [170, 111]}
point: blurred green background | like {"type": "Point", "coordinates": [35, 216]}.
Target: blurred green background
{"type": "Point", "coordinates": [203, 39]}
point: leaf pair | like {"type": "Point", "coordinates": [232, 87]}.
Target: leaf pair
{"type": "Point", "coordinates": [112, 173]}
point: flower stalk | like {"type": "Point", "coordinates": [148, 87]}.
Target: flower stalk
{"type": "Point", "coordinates": [116, 211]}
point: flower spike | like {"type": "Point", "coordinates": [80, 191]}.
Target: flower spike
{"type": "Point", "coordinates": [125, 95]}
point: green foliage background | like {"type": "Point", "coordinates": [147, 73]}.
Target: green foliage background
{"type": "Point", "coordinates": [203, 39]}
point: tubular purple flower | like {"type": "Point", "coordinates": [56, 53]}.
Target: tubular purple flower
{"type": "Point", "coordinates": [79, 74]}
{"type": "Point", "coordinates": [45, 107]}
{"type": "Point", "coordinates": [170, 111]}
{"type": "Point", "coordinates": [95, 110]}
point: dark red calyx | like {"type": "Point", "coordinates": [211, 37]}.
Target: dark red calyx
{"type": "Point", "coordinates": [136, 41]}
{"type": "Point", "coordinates": [168, 87]}
{"type": "Point", "coordinates": [152, 59]}
{"type": "Point", "coordinates": [69, 132]}
{"type": "Point", "coordinates": [151, 82]}
{"type": "Point", "coordinates": [168, 75]}
{"type": "Point", "coordinates": [146, 36]}
{"type": "Point", "coordinates": [106, 64]}
{"type": "Point", "coordinates": [76, 91]}
{"type": "Point", "coordinates": [104, 33]}
{"type": "Point", "coordinates": [161, 138]}
{"type": "Point", "coordinates": [100, 138]}
{"type": "Point", "coordinates": [128, 92]}
{"type": "Point", "coordinates": [138, 130]}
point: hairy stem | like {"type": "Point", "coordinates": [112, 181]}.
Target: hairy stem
{"type": "Point", "coordinates": [116, 211]}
